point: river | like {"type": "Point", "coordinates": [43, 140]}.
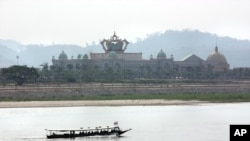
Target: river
{"type": "Point", "coordinates": [200, 122]}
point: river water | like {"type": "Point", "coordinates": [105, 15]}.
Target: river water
{"type": "Point", "coordinates": [203, 122]}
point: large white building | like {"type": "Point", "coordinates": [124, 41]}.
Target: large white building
{"type": "Point", "coordinates": [114, 57]}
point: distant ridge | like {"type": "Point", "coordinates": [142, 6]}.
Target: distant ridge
{"type": "Point", "coordinates": [178, 43]}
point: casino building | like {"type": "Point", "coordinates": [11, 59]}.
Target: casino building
{"type": "Point", "coordinates": [116, 59]}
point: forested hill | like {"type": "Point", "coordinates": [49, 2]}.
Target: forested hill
{"type": "Point", "coordinates": [178, 43]}
{"type": "Point", "coordinates": [183, 43]}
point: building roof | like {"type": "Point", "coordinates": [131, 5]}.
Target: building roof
{"type": "Point", "coordinates": [161, 54]}
{"type": "Point", "coordinates": [192, 58]}
{"type": "Point", "coordinates": [219, 59]}
{"type": "Point", "coordinates": [114, 44]}
{"type": "Point", "coordinates": [63, 55]}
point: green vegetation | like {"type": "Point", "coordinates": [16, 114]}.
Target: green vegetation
{"type": "Point", "coordinates": [34, 81]}
{"type": "Point", "coordinates": [19, 74]}
{"type": "Point", "coordinates": [202, 97]}
{"type": "Point", "coordinates": [87, 73]}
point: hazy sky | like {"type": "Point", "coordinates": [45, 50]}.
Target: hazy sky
{"type": "Point", "coordinates": [81, 21]}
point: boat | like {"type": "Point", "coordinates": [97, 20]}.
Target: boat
{"type": "Point", "coordinates": [98, 131]}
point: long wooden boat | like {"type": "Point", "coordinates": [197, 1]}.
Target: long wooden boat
{"type": "Point", "coordinates": [98, 131]}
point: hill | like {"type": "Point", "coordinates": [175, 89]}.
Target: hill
{"type": "Point", "coordinates": [178, 43]}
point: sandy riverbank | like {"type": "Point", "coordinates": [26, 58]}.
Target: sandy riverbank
{"type": "Point", "coordinates": [30, 104]}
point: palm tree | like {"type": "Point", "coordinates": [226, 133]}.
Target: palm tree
{"type": "Point", "coordinates": [45, 66]}
{"type": "Point", "coordinates": [52, 67]}
{"type": "Point", "coordinates": [79, 56]}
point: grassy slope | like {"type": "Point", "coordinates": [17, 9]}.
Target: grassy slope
{"type": "Point", "coordinates": [202, 97]}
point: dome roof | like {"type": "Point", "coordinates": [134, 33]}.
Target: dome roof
{"type": "Point", "coordinates": [161, 54]}
{"type": "Point", "coordinates": [112, 54]}
{"type": "Point", "coordinates": [63, 56]}
{"type": "Point", "coordinates": [85, 56]}
{"type": "Point", "coordinates": [219, 59]}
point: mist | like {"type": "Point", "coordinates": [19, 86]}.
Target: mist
{"type": "Point", "coordinates": [177, 43]}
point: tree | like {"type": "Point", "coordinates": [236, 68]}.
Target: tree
{"type": "Point", "coordinates": [79, 56]}
{"type": "Point", "coordinates": [53, 67]}
{"type": "Point", "coordinates": [19, 74]}
{"type": "Point", "coordinates": [45, 66]}
{"type": "Point", "coordinates": [45, 71]}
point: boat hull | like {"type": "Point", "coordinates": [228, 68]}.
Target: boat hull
{"type": "Point", "coordinates": [73, 134]}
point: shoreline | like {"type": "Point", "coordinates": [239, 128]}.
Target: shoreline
{"type": "Point", "coordinates": [81, 103]}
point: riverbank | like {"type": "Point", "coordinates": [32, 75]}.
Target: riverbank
{"type": "Point", "coordinates": [154, 102]}
{"type": "Point", "coordinates": [214, 92]}
{"type": "Point", "coordinates": [98, 94]}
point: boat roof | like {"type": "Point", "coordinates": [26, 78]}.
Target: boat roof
{"type": "Point", "coordinates": [57, 130]}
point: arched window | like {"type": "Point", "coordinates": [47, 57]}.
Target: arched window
{"type": "Point", "coordinates": [106, 66]}
{"type": "Point", "coordinates": [78, 67]}
{"type": "Point", "coordinates": [117, 67]}
{"type": "Point", "coordinates": [166, 67]}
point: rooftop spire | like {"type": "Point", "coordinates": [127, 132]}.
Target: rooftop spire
{"type": "Point", "coordinates": [216, 48]}
{"type": "Point", "coordinates": [216, 40]}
